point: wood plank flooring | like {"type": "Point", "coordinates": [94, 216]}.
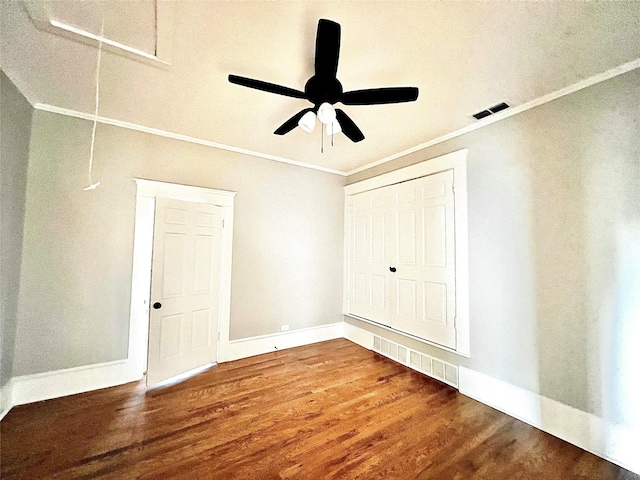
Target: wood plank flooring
{"type": "Point", "coordinates": [324, 411]}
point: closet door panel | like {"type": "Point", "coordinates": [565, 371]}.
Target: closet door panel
{"type": "Point", "coordinates": [405, 235]}
{"type": "Point", "coordinates": [406, 298]}
{"type": "Point", "coordinates": [423, 286]}
{"type": "Point", "coordinates": [402, 257]}
{"type": "Point", "coordinates": [369, 296]}
{"type": "Point", "coordinates": [434, 237]}
{"type": "Point", "coordinates": [407, 251]}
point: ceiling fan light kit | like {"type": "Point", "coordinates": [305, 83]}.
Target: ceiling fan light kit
{"type": "Point", "coordinates": [324, 90]}
{"type": "Point", "coordinates": [308, 122]}
{"type": "Point", "coordinates": [334, 127]}
{"type": "Point", "coordinates": [326, 113]}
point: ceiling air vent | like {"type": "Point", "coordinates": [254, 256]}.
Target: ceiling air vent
{"type": "Point", "coordinates": [482, 114]}
{"type": "Point", "coordinates": [498, 108]}
{"type": "Point", "coordinates": [490, 111]}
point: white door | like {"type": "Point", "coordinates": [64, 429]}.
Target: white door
{"type": "Point", "coordinates": [368, 255]}
{"type": "Point", "coordinates": [185, 279]}
{"type": "Point", "coordinates": [402, 257]}
{"type": "Point", "coordinates": [423, 284]}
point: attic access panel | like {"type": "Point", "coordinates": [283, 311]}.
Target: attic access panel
{"type": "Point", "coordinates": [141, 30]}
{"type": "Point", "coordinates": [128, 23]}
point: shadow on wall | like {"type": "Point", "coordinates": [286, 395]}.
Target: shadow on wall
{"type": "Point", "coordinates": [14, 149]}
{"type": "Point", "coordinates": [586, 235]}
{"type": "Point", "coordinates": [612, 217]}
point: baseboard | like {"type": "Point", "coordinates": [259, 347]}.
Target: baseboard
{"type": "Point", "coordinates": [248, 347]}
{"type": "Point", "coordinates": [6, 398]}
{"type": "Point", "coordinates": [587, 431]}
{"type": "Point", "coordinates": [60, 383]}
{"type": "Point", "coordinates": [426, 364]}
{"type": "Point", "coordinates": [44, 386]}
{"type": "Point", "coordinates": [358, 335]}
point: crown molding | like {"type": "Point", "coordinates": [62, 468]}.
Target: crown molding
{"type": "Point", "coordinates": [178, 136]}
{"type": "Point", "coordinates": [601, 77]}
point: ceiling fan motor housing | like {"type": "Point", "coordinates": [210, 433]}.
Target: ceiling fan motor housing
{"type": "Point", "coordinates": [323, 89]}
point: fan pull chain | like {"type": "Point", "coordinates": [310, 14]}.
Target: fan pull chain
{"type": "Point", "coordinates": [95, 115]}
{"type": "Point", "coordinates": [323, 133]}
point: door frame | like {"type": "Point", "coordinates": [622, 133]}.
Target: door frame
{"type": "Point", "coordinates": [146, 193]}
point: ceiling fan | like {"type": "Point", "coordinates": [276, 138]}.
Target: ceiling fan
{"type": "Point", "coordinates": [323, 90]}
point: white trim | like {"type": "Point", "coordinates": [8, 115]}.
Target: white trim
{"type": "Point", "coordinates": [97, 38]}
{"type": "Point", "coordinates": [585, 430]}
{"type": "Point", "coordinates": [6, 398]}
{"type": "Point", "coordinates": [425, 364]}
{"type": "Point", "coordinates": [358, 335]}
{"type": "Point", "coordinates": [601, 77]}
{"type": "Point", "coordinates": [143, 246]}
{"type": "Point", "coordinates": [404, 334]}
{"type": "Point", "coordinates": [186, 193]}
{"type": "Point", "coordinates": [598, 78]}
{"type": "Point", "coordinates": [346, 246]}
{"type": "Point", "coordinates": [456, 161]}
{"type": "Point", "coordinates": [248, 347]}
{"type": "Point", "coordinates": [60, 383]}
{"type": "Point", "coordinates": [177, 136]}
{"type": "Point", "coordinates": [453, 160]}
{"type": "Point", "coordinates": [141, 282]}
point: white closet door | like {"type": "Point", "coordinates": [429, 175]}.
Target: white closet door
{"type": "Point", "coordinates": [368, 256]}
{"type": "Point", "coordinates": [423, 285]}
{"type": "Point", "coordinates": [402, 257]}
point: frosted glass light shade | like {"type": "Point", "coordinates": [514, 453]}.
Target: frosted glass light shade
{"type": "Point", "coordinates": [333, 128]}
{"type": "Point", "coordinates": [307, 122]}
{"type": "Point", "coordinates": [326, 113]}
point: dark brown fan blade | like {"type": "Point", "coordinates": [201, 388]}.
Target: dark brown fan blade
{"type": "Point", "coordinates": [378, 96]}
{"type": "Point", "coordinates": [292, 123]}
{"type": "Point", "coordinates": [266, 86]}
{"type": "Point", "coordinates": [349, 128]}
{"type": "Point", "coordinates": [327, 48]}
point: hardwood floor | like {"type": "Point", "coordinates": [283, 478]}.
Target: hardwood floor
{"type": "Point", "coordinates": [329, 410]}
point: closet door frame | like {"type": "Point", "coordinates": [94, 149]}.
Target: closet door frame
{"type": "Point", "coordinates": [456, 161]}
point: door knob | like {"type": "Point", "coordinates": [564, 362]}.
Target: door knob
{"type": "Point", "coordinates": [393, 269]}
{"type": "Point", "coordinates": [157, 305]}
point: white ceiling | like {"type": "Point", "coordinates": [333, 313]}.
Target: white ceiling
{"type": "Point", "coordinates": [463, 57]}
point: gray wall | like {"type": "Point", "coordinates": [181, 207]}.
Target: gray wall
{"type": "Point", "coordinates": [554, 247]}
{"type": "Point", "coordinates": [15, 129]}
{"type": "Point", "coordinates": [77, 258]}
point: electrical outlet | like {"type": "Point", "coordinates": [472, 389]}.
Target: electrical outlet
{"type": "Point", "coordinates": [284, 328]}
